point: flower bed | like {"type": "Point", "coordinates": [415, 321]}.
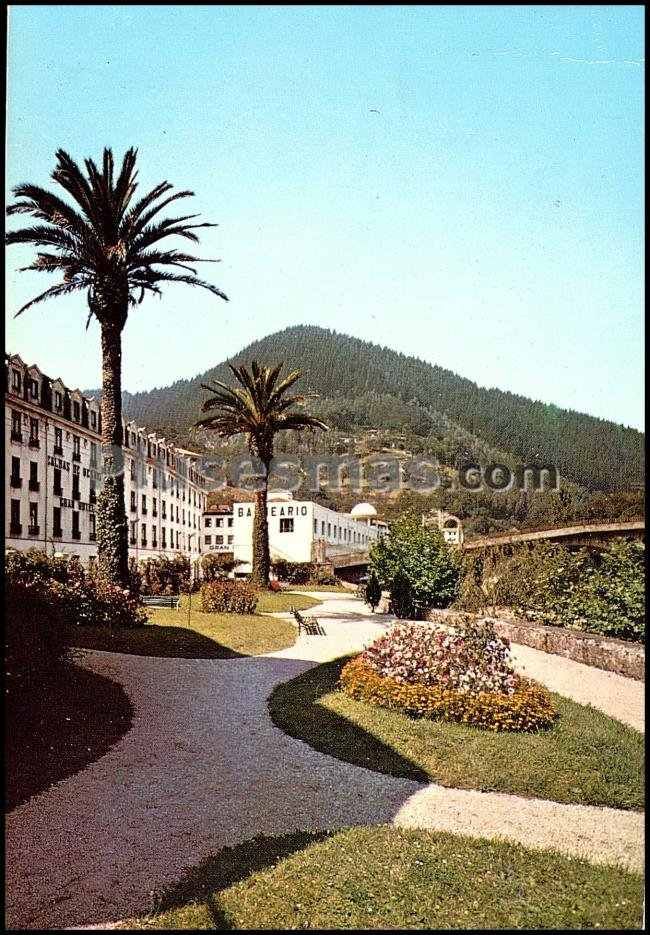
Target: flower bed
{"type": "Point", "coordinates": [464, 675]}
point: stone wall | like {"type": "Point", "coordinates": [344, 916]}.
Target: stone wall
{"type": "Point", "coordinates": [602, 652]}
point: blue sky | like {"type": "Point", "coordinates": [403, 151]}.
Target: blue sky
{"type": "Point", "coordinates": [488, 218]}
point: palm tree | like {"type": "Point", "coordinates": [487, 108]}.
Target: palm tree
{"type": "Point", "coordinates": [258, 408]}
{"type": "Point", "coordinates": [107, 246]}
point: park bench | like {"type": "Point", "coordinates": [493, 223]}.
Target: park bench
{"type": "Point", "coordinates": [308, 625]}
{"type": "Point", "coordinates": [162, 600]}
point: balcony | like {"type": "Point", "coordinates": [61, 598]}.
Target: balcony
{"type": "Point", "coordinates": [33, 530]}
{"type": "Point", "coordinates": [34, 485]}
{"type": "Point", "coordinates": [16, 436]}
{"type": "Point", "coordinates": [16, 529]}
{"type": "Point", "coordinates": [76, 534]}
{"type": "Point", "coordinates": [16, 481]}
{"type": "Point", "coordinates": [34, 442]}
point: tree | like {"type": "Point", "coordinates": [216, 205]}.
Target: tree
{"type": "Point", "coordinates": [258, 408]}
{"type": "Point", "coordinates": [107, 246]}
{"type": "Point", "coordinates": [415, 564]}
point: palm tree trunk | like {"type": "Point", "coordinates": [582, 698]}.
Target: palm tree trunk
{"type": "Point", "coordinates": [261, 550]}
{"type": "Point", "coordinates": [112, 540]}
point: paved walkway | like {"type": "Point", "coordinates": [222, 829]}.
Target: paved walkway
{"type": "Point", "coordinates": [203, 767]}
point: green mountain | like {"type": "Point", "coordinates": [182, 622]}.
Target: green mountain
{"type": "Point", "coordinates": [367, 390]}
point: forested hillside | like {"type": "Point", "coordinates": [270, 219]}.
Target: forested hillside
{"type": "Point", "coordinates": [365, 388]}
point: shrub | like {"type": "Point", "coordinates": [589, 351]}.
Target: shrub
{"type": "Point", "coordinates": [527, 709]}
{"type": "Point", "coordinates": [217, 565]}
{"type": "Point", "coordinates": [275, 586]}
{"type": "Point", "coordinates": [372, 593]}
{"type": "Point", "coordinates": [293, 572]}
{"type": "Point", "coordinates": [34, 642]}
{"type": "Point", "coordinates": [596, 592]}
{"type": "Point", "coordinates": [472, 658]}
{"type": "Point", "coordinates": [163, 575]}
{"type": "Point", "coordinates": [228, 597]}
{"type": "Point", "coordinates": [415, 564]}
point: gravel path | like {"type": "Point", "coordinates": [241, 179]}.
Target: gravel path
{"type": "Point", "coordinates": [203, 766]}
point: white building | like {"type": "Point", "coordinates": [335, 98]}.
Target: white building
{"type": "Point", "coordinates": [450, 526]}
{"type": "Point", "coordinates": [53, 470]}
{"type": "Point", "coordinates": [299, 530]}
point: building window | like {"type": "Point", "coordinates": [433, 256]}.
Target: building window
{"type": "Point", "coordinates": [133, 532]}
{"type": "Point", "coordinates": [76, 411]}
{"type": "Point", "coordinates": [218, 523]}
{"type": "Point", "coordinates": [92, 496]}
{"type": "Point", "coordinates": [34, 528]}
{"type": "Point", "coordinates": [33, 477]}
{"type": "Point", "coordinates": [58, 441]}
{"type": "Point", "coordinates": [133, 506]}
{"type": "Point", "coordinates": [93, 419]}
{"type": "Point", "coordinates": [154, 540]}
{"type": "Point", "coordinates": [144, 505]}
{"type": "Point", "coordinates": [208, 522]}
{"type": "Point", "coordinates": [76, 448]}
{"type": "Point", "coordinates": [16, 426]}
{"type": "Point", "coordinates": [133, 469]}
{"type": "Point", "coordinates": [15, 525]}
{"type": "Point", "coordinates": [164, 537]}
{"type": "Point", "coordinates": [230, 522]}
{"type": "Point", "coordinates": [58, 401]}
{"type": "Point", "coordinates": [286, 525]}
{"type": "Point", "coordinates": [144, 534]}
{"type": "Point", "coordinates": [33, 433]}
{"type": "Point", "coordinates": [76, 532]}
{"type": "Point", "coordinates": [16, 479]}
{"type": "Point", "coordinates": [163, 503]}
{"type": "Point", "coordinates": [56, 522]}
{"type": "Point", "coordinates": [58, 489]}
{"type": "Point", "coordinates": [315, 527]}
{"type": "Point", "coordinates": [93, 527]}
{"type": "Point", "coordinates": [33, 389]}
{"type": "Point", "coordinates": [16, 380]}
{"type": "Point", "coordinates": [177, 509]}
{"type": "Point", "coordinates": [230, 539]}
{"type": "Point", "coordinates": [93, 454]}
{"type": "Point", "coordinates": [329, 529]}
{"type": "Point", "coordinates": [154, 507]}
{"type": "Point", "coordinates": [208, 540]}
{"type": "Point", "coordinates": [76, 494]}
{"type": "Point", "coordinates": [178, 539]}
{"type": "Point", "coordinates": [218, 540]}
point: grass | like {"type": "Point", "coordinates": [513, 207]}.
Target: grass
{"type": "Point", "coordinates": [278, 601]}
{"type": "Point", "coordinates": [337, 588]}
{"type": "Point", "coordinates": [389, 878]}
{"type": "Point", "coordinates": [586, 758]}
{"type": "Point", "coordinates": [59, 726]}
{"type": "Point", "coordinates": [208, 636]}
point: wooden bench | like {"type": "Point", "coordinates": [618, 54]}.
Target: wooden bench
{"type": "Point", "coordinates": [162, 600]}
{"type": "Point", "coordinates": [308, 625]}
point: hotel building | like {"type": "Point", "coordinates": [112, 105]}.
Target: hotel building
{"type": "Point", "coordinates": [53, 470]}
{"type": "Point", "coordinates": [299, 530]}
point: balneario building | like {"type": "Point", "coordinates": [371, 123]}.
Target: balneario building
{"type": "Point", "coordinates": [53, 473]}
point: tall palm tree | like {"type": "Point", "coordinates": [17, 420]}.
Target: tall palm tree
{"type": "Point", "coordinates": [108, 246]}
{"type": "Point", "coordinates": [258, 408]}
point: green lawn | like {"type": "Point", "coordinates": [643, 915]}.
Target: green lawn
{"type": "Point", "coordinates": [586, 758]}
{"type": "Point", "coordinates": [278, 601]}
{"type": "Point", "coordinates": [208, 636]}
{"type": "Point", "coordinates": [388, 878]}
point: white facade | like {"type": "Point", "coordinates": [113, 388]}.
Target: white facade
{"type": "Point", "coordinates": [53, 473]}
{"type": "Point", "coordinates": [450, 526]}
{"type": "Point", "coordinates": [299, 530]}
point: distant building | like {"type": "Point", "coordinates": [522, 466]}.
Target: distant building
{"type": "Point", "coordinates": [299, 530]}
{"type": "Point", "coordinates": [450, 526]}
{"type": "Point", "coordinates": [53, 475]}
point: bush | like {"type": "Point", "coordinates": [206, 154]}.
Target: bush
{"type": "Point", "coordinates": [372, 594]}
{"type": "Point", "coordinates": [163, 575]}
{"type": "Point", "coordinates": [216, 565]}
{"type": "Point", "coordinates": [66, 594]}
{"type": "Point", "coordinates": [596, 592]}
{"type": "Point", "coordinates": [275, 586]}
{"type": "Point", "coordinates": [293, 572]}
{"type": "Point", "coordinates": [470, 659]}
{"type": "Point", "coordinates": [228, 597]}
{"type": "Point", "coordinates": [34, 642]}
{"type": "Point", "coordinates": [527, 709]}
{"type": "Point", "coordinates": [415, 564]}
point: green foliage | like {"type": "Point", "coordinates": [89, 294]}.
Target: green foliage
{"type": "Point", "coordinates": [228, 597]}
{"type": "Point", "coordinates": [362, 385]}
{"type": "Point", "coordinates": [164, 575]}
{"type": "Point", "coordinates": [216, 565]}
{"type": "Point", "coordinates": [597, 592]}
{"type": "Point", "coordinates": [112, 548]}
{"type": "Point", "coordinates": [302, 572]}
{"type": "Point", "coordinates": [372, 591]}
{"type": "Point", "coordinates": [414, 563]}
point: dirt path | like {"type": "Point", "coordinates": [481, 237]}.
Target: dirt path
{"type": "Point", "coordinates": [203, 766]}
